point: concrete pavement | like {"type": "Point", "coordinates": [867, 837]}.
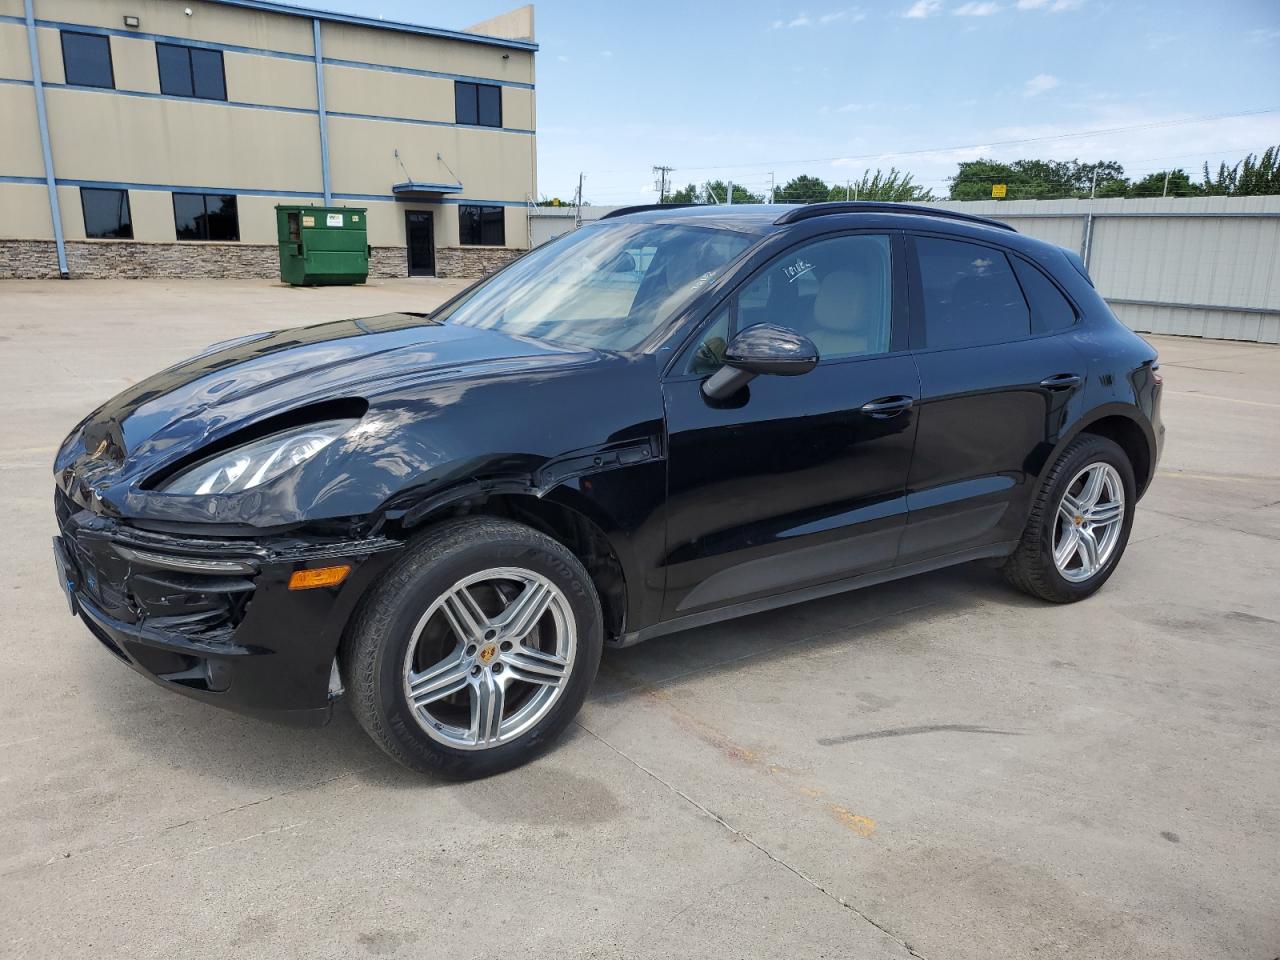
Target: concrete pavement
{"type": "Point", "coordinates": [939, 767]}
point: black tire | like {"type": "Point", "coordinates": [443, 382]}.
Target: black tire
{"type": "Point", "coordinates": [374, 652]}
{"type": "Point", "coordinates": [1031, 566]}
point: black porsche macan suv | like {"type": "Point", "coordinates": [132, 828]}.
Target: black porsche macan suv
{"type": "Point", "coordinates": [667, 418]}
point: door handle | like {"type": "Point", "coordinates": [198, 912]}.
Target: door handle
{"type": "Point", "coordinates": [1061, 381]}
{"type": "Point", "coordinates": [887, 407]}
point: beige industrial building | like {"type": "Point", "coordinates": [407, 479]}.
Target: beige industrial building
{"type": "Point", "coordinates": [154, 138]}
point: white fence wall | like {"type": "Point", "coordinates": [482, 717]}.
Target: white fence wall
{"type": "Point", "coordinates": [1201, 266]}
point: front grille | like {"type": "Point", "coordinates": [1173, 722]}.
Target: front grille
{"type": "Point", "coordinates": [200, 606]}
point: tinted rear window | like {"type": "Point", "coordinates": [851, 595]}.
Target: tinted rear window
{"type": "Point", "coordinates": [971, 295]}
{"type": "Point", "coordinates": [1050, 310]}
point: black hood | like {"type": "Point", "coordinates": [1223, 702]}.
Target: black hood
{"type": "Point", "coordinates": [403, 368]}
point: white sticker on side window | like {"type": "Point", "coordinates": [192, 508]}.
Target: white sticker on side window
{"type": "Point", "coordinates": [794, 271]}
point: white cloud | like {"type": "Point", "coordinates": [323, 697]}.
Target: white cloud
{"type": "Point", "coordinates": [1052, 6]}
{"type": "Point", "coordinates": [976, 9]}
{"type": "Point", "coordinates": [849, 15]}
{"type": "Point", "coordinates": [1264, 36]}
{"type": "Point", "coordinates": [1040, 83]}
{"type": "Point", "coordinates": [562, 58]}
{"type": "Point", "coordinates": [606, 53]}
{"type": "Point", "coordinates": [923, 8]}
{"type": "Point", "coordinates": [799, 20]}
{"type": "Point", "coordinates": [856, 107]}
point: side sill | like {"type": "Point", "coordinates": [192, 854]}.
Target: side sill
{"type": "Point", "coordinates": [761, 604]}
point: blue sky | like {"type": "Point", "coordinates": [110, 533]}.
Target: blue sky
{"type": "Point", "coordinates": [739, 91]}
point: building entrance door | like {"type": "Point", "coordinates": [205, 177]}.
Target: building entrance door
{"type": "Point", "coordinates": [419, 231]}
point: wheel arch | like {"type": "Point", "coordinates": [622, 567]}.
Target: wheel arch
{"type": "Point", "coordinates": [571, 520]}
{"type": "Point", "coordinates": [1120, 423]}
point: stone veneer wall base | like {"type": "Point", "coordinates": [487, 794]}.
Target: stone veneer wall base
{"type": "Point", "coordinates": [128, 259]}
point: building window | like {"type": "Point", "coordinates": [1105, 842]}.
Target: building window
{"type": "Point", "coordinates": [206, 216]}
{"type": "Point", "coordinates": [86, 60]}
{"type": "Point", "coordinates": [477, 104]}
{"type": "Point", "coordinates": [106, 214]}
{"type": "Point", "coordinates": [481, 226]}
{"type": "Point", "coordinates": [191, 72]}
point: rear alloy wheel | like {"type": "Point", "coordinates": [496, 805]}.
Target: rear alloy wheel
{"type": "Point", "coordinates": [1090, 519]}
{"type": "Point", "coordinates": [1079, 523]}
{"type": "Point", "coordinates": [475, 650]}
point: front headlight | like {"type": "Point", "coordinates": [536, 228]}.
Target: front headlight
{"type": "Point", "coordinates": [243, 468]}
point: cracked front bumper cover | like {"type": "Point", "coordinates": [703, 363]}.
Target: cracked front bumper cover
{"type": "Point", "coordinates": [215, 619]}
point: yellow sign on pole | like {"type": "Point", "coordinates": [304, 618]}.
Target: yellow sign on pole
{"type": "Point", "coordinates": [998, 190]}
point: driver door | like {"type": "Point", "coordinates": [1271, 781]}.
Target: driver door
{"type": "Point", "coordinates": [795, 481]}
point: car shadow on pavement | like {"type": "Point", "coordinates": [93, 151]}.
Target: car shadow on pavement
{"type": "Point", "coordinates": [177, 732]}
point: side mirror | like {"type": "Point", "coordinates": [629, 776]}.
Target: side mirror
{"type": "Point", "coordinates": [761, 349]}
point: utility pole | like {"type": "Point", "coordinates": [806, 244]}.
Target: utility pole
{"type": "Point", "coordinates": [728, 193]}
{"type": "Point", "coordinates": [577, 221]}
{"type": "Point", "coordinates": [661, 173]}
{"type": "Point", "coordinates": [847, 187]}
{"type": "Point", "coordinates": [771, 186]}
{"type": "Point", "coordinates": [1093, 189]}
{"type": "Point", "coordinates": [1165, 192]}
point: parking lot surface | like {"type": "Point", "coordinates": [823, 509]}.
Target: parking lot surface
{"type": "Point", "coordinates": [940, 767]}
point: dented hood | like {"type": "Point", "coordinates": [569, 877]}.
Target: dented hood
{"type": "Point", "coordinates": [235, 384]}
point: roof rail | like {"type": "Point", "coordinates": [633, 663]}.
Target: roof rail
{"type": "Point", "coordinates": [810, 210]}
{"type": "Point", "coordinates": [643, 207]}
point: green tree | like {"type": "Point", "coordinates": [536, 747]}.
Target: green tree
{"type": "Point", "coordinates": [1153, 185]}
{"type": "Point", "coordinates": [1038, 179]}
{"type": "Point", "coordinates": [716, 193]}
{"type": "Point", "coordinates": [1249, 177]}
{"type": "Point", "coordinates": [892, 186]}
{"type": "Point", "coordinates": [690, 194]}
{"type": "Point", "coordinates": [802, 189]}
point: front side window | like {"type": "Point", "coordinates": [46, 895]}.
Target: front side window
{"type": "Point", "coordinates": [838, 292]}
{"type": "Point", "coordinates": [206, 216]}
{"type": "Point", "coordinates": [86, 60]}
{"type": "Point", "coordinates": [477, 104]}
{"type": "Point", "coordinates": [191, 72]}
{"type": "Point", "coordinates": [481, 226]}
{"type": "Point", "coordinates": [971, 296]}
{"type": "Point", "coordinates": [608, 285]}
{"type": "Point", "coordinates": [106, 214]}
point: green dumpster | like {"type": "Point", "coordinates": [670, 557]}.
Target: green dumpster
{"type": "Point", "coordinates": [322, 245]}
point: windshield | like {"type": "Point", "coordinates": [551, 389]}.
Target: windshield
{"type": "Point", "coordinates": [606, 285]}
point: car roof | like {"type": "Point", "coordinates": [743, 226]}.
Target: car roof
{"type": "Point", "coordinates": [765, 218]}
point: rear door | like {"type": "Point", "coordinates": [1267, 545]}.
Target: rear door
{"type": "Point", "coordinates": [997, 385]}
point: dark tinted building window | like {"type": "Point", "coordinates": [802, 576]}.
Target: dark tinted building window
{"type": "Point", "coordinates": [479, 104]}
{"type": "Point", "coordinates": [481, 226]}
{"type": "Point", "coordinates": [106, 214]}
{"type": "Point", "coordinates": [191, 72]}
{"type": "Point", "coordinates": [206, 216]}
{"type": "Point", "coordinates": [1050, 310]}
{"type": "Point", "coordinates": [86, 60]}
{"type": "Point", "coordinates": [971, 295]}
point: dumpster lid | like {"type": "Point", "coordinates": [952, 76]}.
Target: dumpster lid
{"type": "Point", "coordinates": [412, 190]}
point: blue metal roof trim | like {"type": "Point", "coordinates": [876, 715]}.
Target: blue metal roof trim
{"type": "Point", "coordinates": [412, 189]}
{"type": "Point", "coordinates": [332, 16]}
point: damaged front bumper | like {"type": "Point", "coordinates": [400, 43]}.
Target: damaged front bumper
{"type": "Point", "coordinates": [213, 617]}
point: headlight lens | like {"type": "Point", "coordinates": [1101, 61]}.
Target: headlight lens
{"type": "Point", "coordinates": [243, 468]}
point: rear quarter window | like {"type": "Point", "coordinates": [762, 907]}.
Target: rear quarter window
{"type": "Point", "coordinates": [1050, 310]}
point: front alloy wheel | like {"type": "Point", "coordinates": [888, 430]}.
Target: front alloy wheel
{"type": "Point", "coordinates": [476, 648]}
{"type": "Point", "coordinates": [509, 641]}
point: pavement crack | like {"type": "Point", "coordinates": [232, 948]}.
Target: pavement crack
{"type": "Point", "coordinates": [913, 731]}
{"type": "Point", "coordinates": [747, 838]}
